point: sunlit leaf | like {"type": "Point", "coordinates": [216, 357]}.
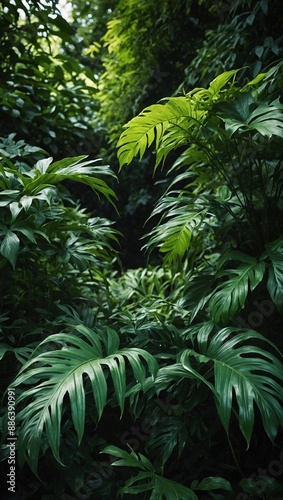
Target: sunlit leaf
{"type": "Point", "coordinates": [152, 124]}
{"type": "Point", "coordinates": [162, 488]}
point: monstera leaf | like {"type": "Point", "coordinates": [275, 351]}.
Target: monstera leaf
{"type": "Point", "coordinates": [147, 479]}
{"type": "Point", "coordinates": [55, 374]}
{"type": "Point", "coordinates": [244, 114]}
{"type": "Point", "coordinates": [168, 435]}
{"type": "Point", "coordinates": [243, 371]}
{"type": "Point", "coordinates": [231, 294]}
{"type": "Point", "coordinates": [274, 254]}
{"type": "Point", "coordinates": [161, 488]}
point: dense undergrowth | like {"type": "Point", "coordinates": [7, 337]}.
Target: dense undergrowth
{"type": "Point", "coordinates": [163, 381]}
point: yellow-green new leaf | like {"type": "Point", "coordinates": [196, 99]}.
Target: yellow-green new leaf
{"type": "Point", "coordinates": [151, 125]}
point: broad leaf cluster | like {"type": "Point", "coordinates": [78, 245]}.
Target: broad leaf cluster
{"type": "Point", "coordinates": [172, 370]}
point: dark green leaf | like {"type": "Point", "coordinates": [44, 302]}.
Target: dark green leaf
{"type": "Point", "coordinates": [10, 247]}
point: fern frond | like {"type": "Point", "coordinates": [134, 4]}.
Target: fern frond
{"type": "Point", "coordinates": [169, 124]}
{"type": "Point", "coordinates": [155, 121]}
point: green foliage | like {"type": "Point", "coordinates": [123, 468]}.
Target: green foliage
{"type": "Point", "coordinates": [245, 33]}
{"type": "Point", "coordinates": [45, 93]}
{"type": "Point", "coordinates": [162, 488]}
{"type": "Point", "coordinates": [217, 215]}
{"type": "Point", "coordinates": [275, 277]}
{"type": "Point", "coordinates": [33, 207]}
{"type": "Point", "coordinates": [148, 480]}
{"type": "Point", "coordinates": [235, 371]}
{"type": "Point", "coordinates": [230, 296]}
{"type": "Point", "coordinates": [143, 42]}
{"type": "Point", "coordinates": [174, 122]}
{"type": "Point", "coordinates": [179, 360]}
{"type": "Point", "coordinates": [64, 371]}
{"type": "Point", "coordinates": [49, 245]}
{"type": "Point", "coordinates": [198, 122]}
{"type": "Point", "coordinates": [51, 250]}
{"type": "Point", "coordinates": [245, 114]}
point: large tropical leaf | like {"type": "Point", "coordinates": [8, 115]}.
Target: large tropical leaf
{"type": "Point", "coordinates": [151, 124]}
{"type": "Point", "coordinates": [56, 374]}
{"type": "Point", "coordinates": [212, 483]}
{"type": "Point", "coordinates": [175, 233]}
{"type": "Point", "coordinates": [275, 280]}
{"type": "Point", "coordinates": [85, 172]}
{"type": "Point", "coordinates": [198, 292]}
{"type": "Point", "coordinates": [231, 294]}
{"type": "Point", "coordinates": [243, 371]}
{"type": "Point", "coordinates": [167, 435]}
{"type": "Point", "coordinates": [170, 124]}
{"type": "Point", "coordinates": [147, 480]}
{"type": "Point", "coordinates": [274, 254]}
{"type": "Point", "coordinates": [45, 174]}
{"type": "Point", "coordinates": [244, 114]}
